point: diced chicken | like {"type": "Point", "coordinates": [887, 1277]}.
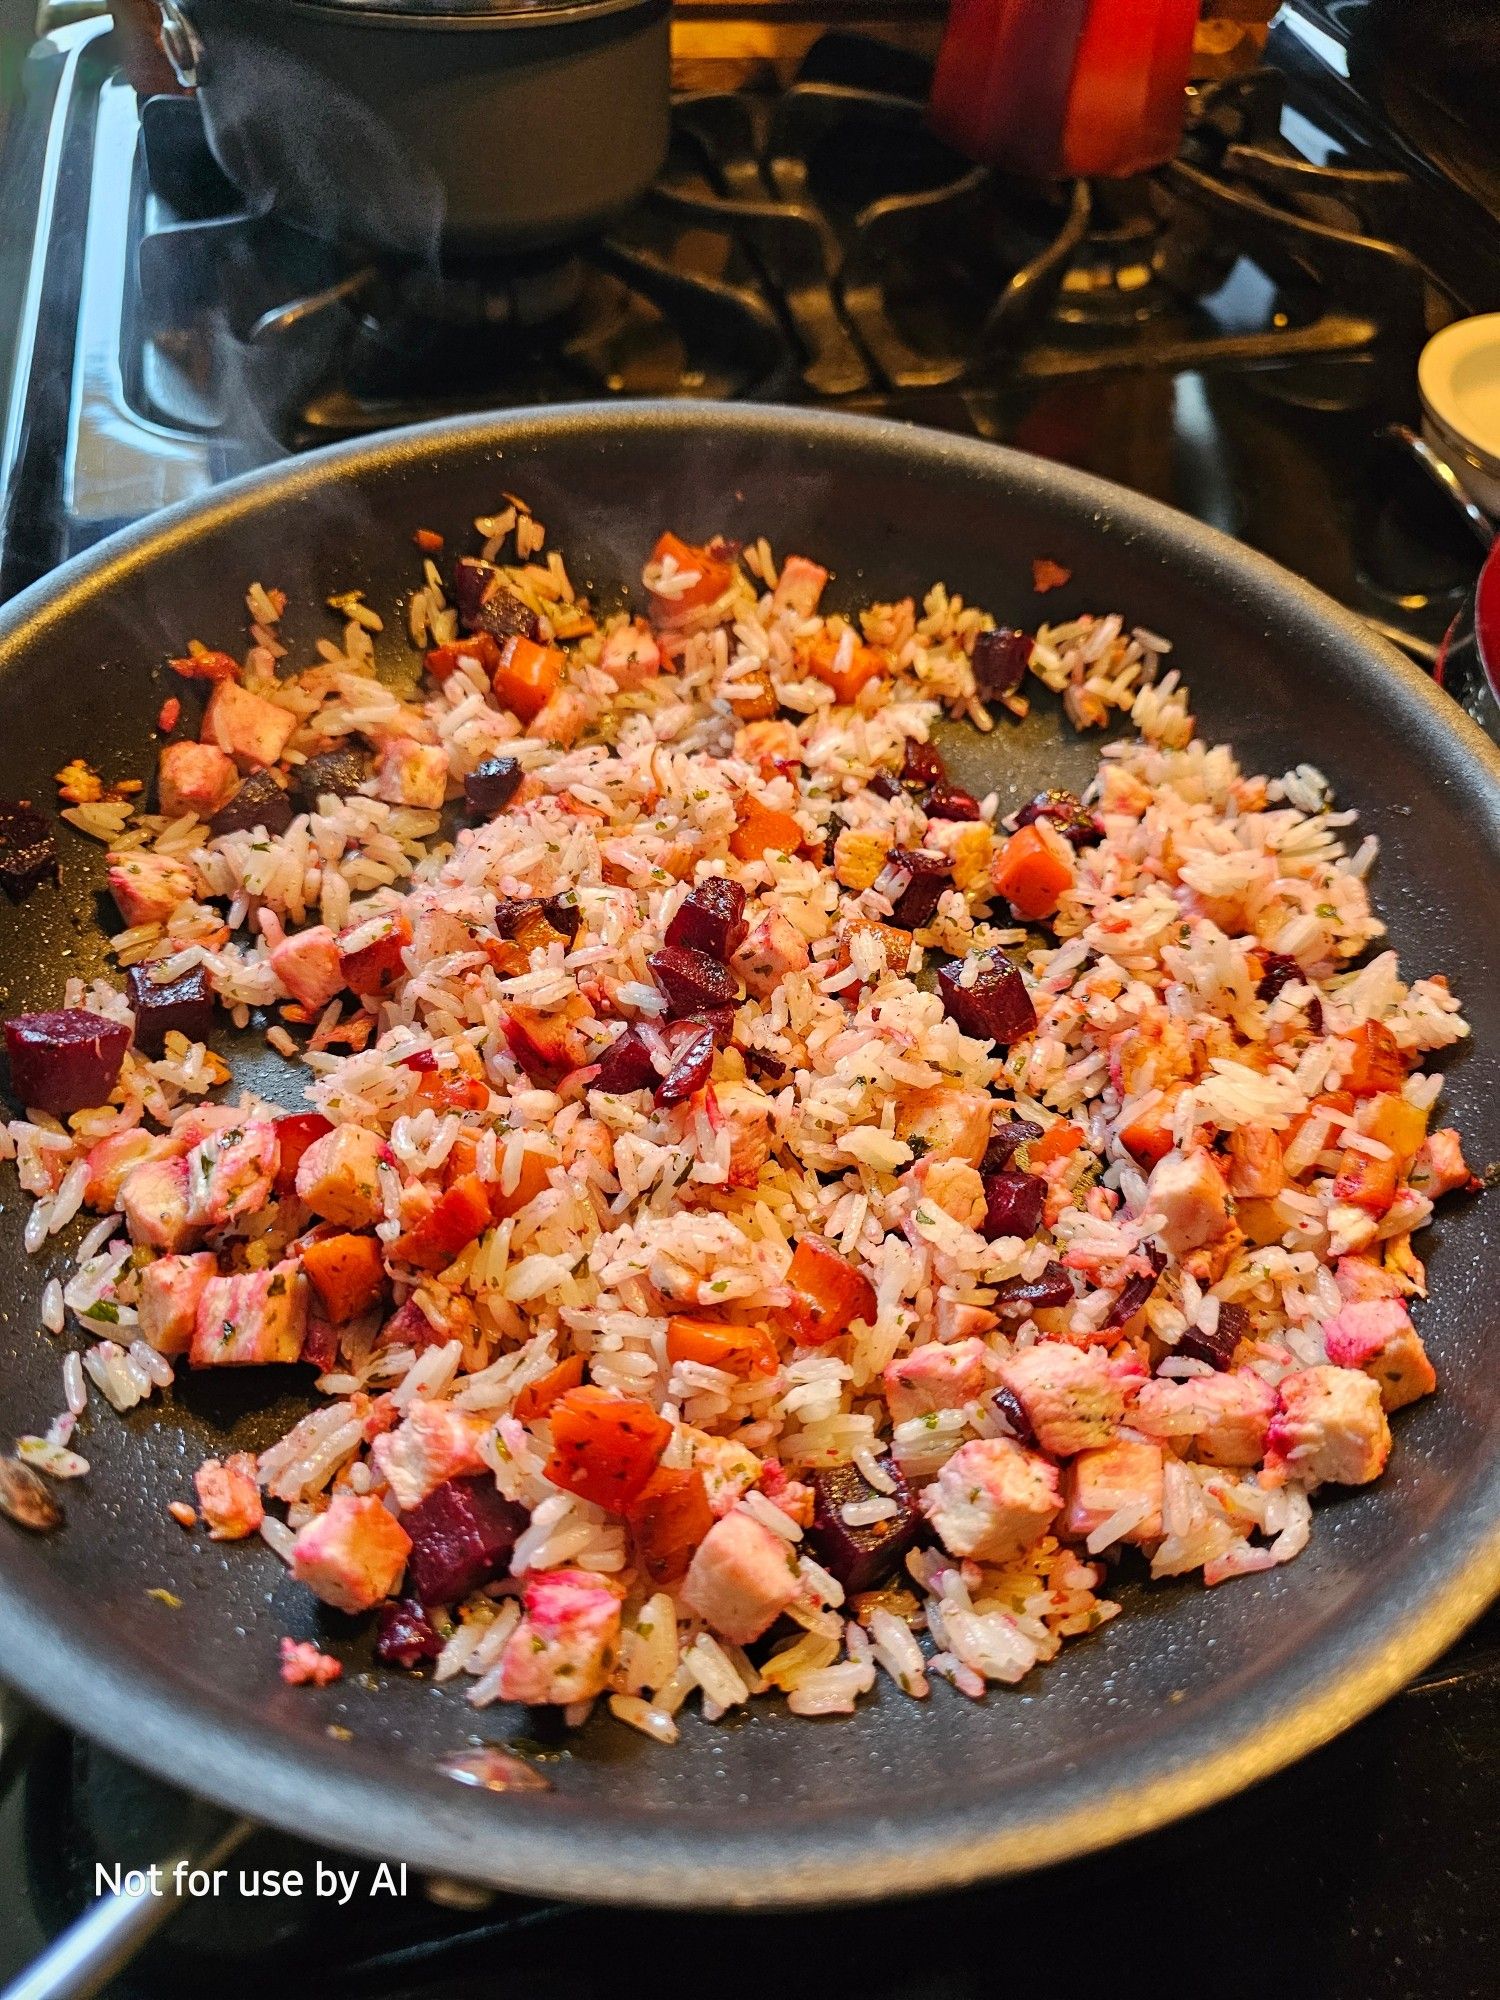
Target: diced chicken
{"type": "Point", "coordinates": [308, 965]}
{"type": "Point", "coordinates": [774, 948]}
{"type": "Point", "coordinates": [154, 1198]}
{"type": "Point", "coordinates": [1366, 1278]}
{"type": "Point", "coordinates": [246, 727]}
{"type": "Point", "coordinates": [564, 1648]}
{"type": "Point", "coordinates": [250, 1319]}
{"type": "Point", "coordinates": [1330, 1426]}
{"type": "Point", "coordinates": [953, 1124]}
{"type": "Point", "coordinates": [562, 718]}
{"type": "Point", "coordinates": [799, 587]}
{"type": "Point", "coordinates": [630, 655]}
{"type": "Point", "coordinates": [1377, 1337]}
{"type": "Point", "coordinates": [338, 1176]}
{"type": "Point", "coordinates": [196, 1121]}
{"type": "Point", "coordinates": [1223, 1418]}
{"type": "Point", "coordinates": [1121, 1478]}
{"type": "Point", "coordinates": [194, 778]}
{"type": "Point", "coordinates": [351, 1555]}
{"type": "Point", "coordinates": [551, 1040]}
{"type": "Point", "coordinates": [742, 1577]}
{"type": "Point", "coordinates": [434, 1442]}
{"type": "Point", "coordinates": [729, 1470]}
{"type": "Point", "coordinates": [768, 745]}
{"type": "Point", "coordinates": [953, 1320]}
{"type": "Point", "coordinates": [1255, 1171]}
{"type": "Point", "coordinates": [302, 1665]}
{"type": "Point", "coordinates": [749, 1117]}
{"type": "Point", "coordinates": [230, 1173]}
{"type": "Point", "coordinates": [1440, 1166]}
{"type": "Point", "coordinates": [858, 858]}
{"type": "Point", "coordinates": [1350, 1229]}
{"type": "Point", "coordinates": [229, 1496]}
{"type": "Point", "coordinates": [1188, 1190]}
{"type": "Point", "coordinates": [171, 1288]}
{"type": "Point", "coordinates": [932, 1377]}
{"type": "Point", "coordinates": [953, 1186]}
{"type": "Point", "coordinates": [992, 1500]}
{"type": "Point", "coordinates": [1073, 1397]}
{"type": "Point", "coordinates": [412, 773]}
{"type": "Point", "coordinates": [149, 887]}
{"type": "Point", "coordinates": [112, 1158]}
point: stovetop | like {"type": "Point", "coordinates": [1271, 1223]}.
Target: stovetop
{"type": "Point", "coordinates": [1236, 334]}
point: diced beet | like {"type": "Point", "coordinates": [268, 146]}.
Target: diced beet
{"type": "Point", "coordinates": [564, 915]}
{"type": "Point", "coordinates": [718, 1020]}
{"type": "Point", "coordinates": [930, 874]}
{"type": "Point", "coordinates": [1315, 1015]}
{"type": "Point", "coordinates": [490, 786]}
{"type": "Point", "coordinates": [949, 802]}
{"type": "Point", "coordinates": [339, 773]}
{"type": "Point", "coordinates": [1000, 660]}
{"type": "Point", "coordinates": [626, 1064]}
{"type": "Point", "coordinates": [1011, 1411]}
{"type": "Point", "coordinates": [996, 1008]}
{"type": "Point", "coordinates": [691, 1068]}
{"type": "Point", "coordinates": [1135, 1291]}
{"type": "Point", "coordinates": [320, 1343]}
{"type": "Point", "coordinates": [1279, 971]}
{"type": "Point", "coordinates": [462, 1535]}
{"type": "Point", "coordinates": [884, 786]}
{"type": "Point", "coordinates": [66, 1061]}
{"type": "Point", "coordinates": [922, 765]}
{"type": "Point", "coordinates": [409, 1326]}
{"type": "Point", "coordinates": [184, 1006]}
{"type": "Point", "coordinates": [1216, 1348]}
{"type": "Point", "coordinates": [403, 1634]}
{"type": "Point", "coordinates": [690, 979]}
{"type": "Point", "coordinates": [1013, 1204]}
{"type": "Point", "coordinates": [1067, 813]}
{"type": "Point", "coordinates": [511, 912]}
{"type": "Point", "coordinates": [1005, 1142]}
{"type": "Point", "coordinates": [486, 603]}
{"type": "Point", "coordinates": [711, 918]}
{"type": "Point", "coordinates": [861, 1558]}
{"type": "Point", "coordinates": [1052, 1289]}
{"type": "Point", "coordinates": [28, 850]}
{"type": "Point", "coordinates": [260, 801]}
{"type": "Point", "coordinates": [769, 1068]}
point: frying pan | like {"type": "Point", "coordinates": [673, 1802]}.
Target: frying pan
{"type": "Point", "coordinates": [1187, 1697]}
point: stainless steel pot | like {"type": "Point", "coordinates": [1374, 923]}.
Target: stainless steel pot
{"type": "Point", "coordinates": [465, 127]}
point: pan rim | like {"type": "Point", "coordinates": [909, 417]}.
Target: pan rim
{"type": "Point", "coordinates": [595, 1855]}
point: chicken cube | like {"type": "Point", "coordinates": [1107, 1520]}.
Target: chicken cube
{"type": "Point", "coordinates": [742, 1577]}
{"type": "Point", "coordinates": [953, 1124]}
{"type": "Point", "coordinates": [630, 655]}
{"type": "Point", "coordinates": [230, 1173]}
{"type": "Point", "coordinates": [564, 1648]}
{"type": "Point", "coordinates": [774, 948]}
{"type": "Point", "coordinates": [171, 1288]}
{"type": "Point", "coordinates": [194, 778]}
{"type": "Point", "coordinates": [749, 1117]}
{"type": "Point", "coordinates": [562, 718]}
{"type": "Point", "coordinates": [932, 1377]}
{"type": "Point", "coordinates": [1440, 1166]}
{"type": "Point", "coordinates": [1073, 1397]}
{"type": "Point", "coordinates": [954, 1186]}
{"type": "Point", "coordinates": [992, 1500]}
{"type": "Point", "coordinates": [308, 965]}
{"type": "Point", "coordinates": [768, 745]}
{"type": "Point", "coordinates": [1224, 1418]}
{"type": "Point", "coordinates": [412, 773]}
{"type": "Point", "coordinates": [1124, 1476]}
{"type": "Point", "coordinates": [799, 587]}
{"type": "Point", "coordinates": [1366, 1278]}
{"type": "Point", "coordinates": [147, 888]}
{"type": "Point", "coordinates": [229, 1496]}
{"type": "Point", "coordinates": [728, 1469]}
{"type": "Point", "coordinates": [954, 1320]}
{"type": "Point", "coordinates": [116, 1156]}
{"type": "Point", "coordinates": [251, 1319]}
{"type": "Point", "coordinates": [434, 1442]}
{"type": "Point", "coordinates": [246, 727]}
{"type": "Point", "coordinates": [1330, 1426]}
{"type": "Point", "coordinates": [1188, 1191]}
{"type": "Point", "coordinates": [338, 1176]}
{"type": "Point", "coordinates": [154, 1198]}
{"type": "Point", "coordinates": [352, 1554]}
{"type": "Point", "coordinates": [1377, 1337]}
{"type": "Point", "coordinates": [858, 858]}
{"type": "Point", "coordinates": [1255, 1170]}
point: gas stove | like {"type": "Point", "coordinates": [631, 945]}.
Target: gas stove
{"type": "Point", "coordinates": [1235, 333]}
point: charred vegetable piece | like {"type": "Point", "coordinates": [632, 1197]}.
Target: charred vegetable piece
{"type": "Point", "coordinates": [626, 1064]}
{"type": "Point", "coordinates": [486, 603]}
{"type": "Point", "coordinates": [1011, 1411]}
{"type": "Point", "coordinates": [260, 801]}
{"type": "Point", "coordinates": [1013, 1204]}
{"type": "Point", "coordinates": [949, 802]}
{"type": "Point", "coordinates": [922, 765]}
{"type": "Point", "coordinates": [1000, 660]}
{"type": "Point", "coordinates": [996, 1007]}
{"type": "Point", "coordinates": [1135, 1291]}
{"type": "Point", "coordinates": [514, 913]}
{"type": "Point", "coordinates": [1216, 1348]}
{"type": "Point", "coordinates": [884, 786]}
{"type": "Point", "coordinates": [929, 873]}
{"type": "Point", "coordinates": [335, 772]}
{"type": "Point", "coordinates": [860, 1557]}
{"type": "Point", "coordinates": [1052, 1289]}
{"type": "Point", "coordinates": [28, 850]}
{"type": "Point", "coordinates": [564, 915]}
{"type": "Point", "coordinates": [768, 1067]}
{"type": "Point", "coordinates": [668, 1519]}
{"type": "Point", "coordinates": [604, 1447]}
{"type": "Point", "coordinates": [185, 1007]}
{"type": "Point", "coordinates": [1005, 1142]}
{"type": "Point", "coordinates": [462, 1535]}
{"type": "Point", "coordinates": [65, 1061]}
{"type": "Point", "coordinates": [404, 1636]}
{"type": "Point", "coordinates": [1067, 812]}
{"type": "Point", "coordinates": [711, 918]}
{"type": "Point", "coordinates": [827, 1293]}
{"type": "Point", "coordinates": [490, 786]}
{"type": "Point", "coordinates": [690, 978]}
{"type": "Point", "coordinates": [1279, 971]}
{"type": "Point", "coordinates": [691, 1068]}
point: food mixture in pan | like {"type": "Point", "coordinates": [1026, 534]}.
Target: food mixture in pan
{"type": "Point", "coordinates": [759, 1220]}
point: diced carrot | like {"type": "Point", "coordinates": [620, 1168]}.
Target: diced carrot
{"type": "Point", "coordinates": [535, 1175]}
{"type": "Point", "coordinates": [1056, 1143]}
{"type": "Point", "coordinates": [293, 1137]}
{"type": "Point", "coordinates": [843, 669]}
{"type": "Point", "coordinates": [537, 1398]}
{"type": "Point", "coordinates": [526, 678]}
{"type": "Point", "coordinates": [1048, 575]}
{"type": "Point", "coordinates": [534, 933]}
{"type": "Point", "coordinates": [458, 1215]}
{"type": "Point", "coordinates": [1395, 1123]}
{"type": "Point", "coordinates": [1032, 870]}
{"type": "Point", "coordinates": [480, 647]}
{"type": "Point", "coordinates": [446, 1092]}
{"type": "Point", "coordinates": [1378, 1063]}
{"type": "Point", "coordinates": [714, 575]}
{"type": "Point", "coordinates": [375, 961]}
{"type": "Point", "coordinates": [739, 1350]}
{"type": "Point", "coordinates": [604, 1447]}
{"type": "Point", "coordinates": [669, 1518]}
{"type": "Point", "coordinates": [204, 664]}
{"type": "Point", "coordinates": [427, 539]}
{"type": "Point", "coordinates": [827, 1293]}
{"type": "Point", "coordinates": [348, 1274]}
{"type": "Point", "coordinates": [759, 831]}
{"type": "Point", "coordinates": [1365, 1182]}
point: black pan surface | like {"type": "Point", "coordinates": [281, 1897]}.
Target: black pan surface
{"type": "Point", "coordinates": [1189, 1696]}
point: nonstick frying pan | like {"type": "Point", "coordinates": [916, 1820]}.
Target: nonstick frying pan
{"type": "Point", "coordinates": [1189, 1696]}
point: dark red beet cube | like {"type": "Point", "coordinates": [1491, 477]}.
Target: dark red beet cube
{"type": "Point", "coordinates": [692, 1065]}
{"type": "Point", "coordinates": [66, 1061]}
{"type": "Point", "coordinates": [1216, 1348]}
{"type": "Point", "coordinates": [884, 786]}
{"type": "Point", "coordinates": [1000, 660]}
{"type": "Point", "coordinates": [486, 603]}
{"type": "Point", "coordinates": [404, 1636]}
{"type": "Point", "coordinates": [260, 801]}
{"type": "Point", "coordinates": [927, 876]}
{"type": "Point", "coordinates": [690, 979]}
{"type": "Point", "coordinates": [1014, 1204]}
{"type": "Point", "coordinates": [1052, 1289]}
{"type": "Point", "coordinates": [564, 915]}
{"type": "Point", "coordinates": [462, 1535]}
{"type": "Point", "coordinates": [1011, 1411]}
{"type": "Point", "coordinates": [949, 802]}
{"type": "Point", "coordinates": [861, 1558]}
{"type": "Point", "coordinates": [28, 851]}
{"type": "Point", "coordinates": [1278, 971]}
{"type": "Point", "coordinates": [184, 1006]}
{"type": "Point", "coordinates": [711, 918]}
{"type": "Point", "coordinates": [490, 786]}
{"type": "Point", "coordinates": [1005, 1142]}
{"type": "Point", "coordinates": [336, 773]}
{"type": "Point", "coordinates": [996, 1008]}
{"type": "Point", "coordinates": [1065, 811]}
{"type": "Point", "coordinates": [1135, 1291]}
{"type": "Point", "coordinates": [719, 1019]}
{"type": "Point", "coordinates": [922, 765]}
{"type": "Point", "coordinates": [626, 1064]}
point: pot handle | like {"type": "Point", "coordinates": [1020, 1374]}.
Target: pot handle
{"type": "Point", "coordinates": [181, 44]}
